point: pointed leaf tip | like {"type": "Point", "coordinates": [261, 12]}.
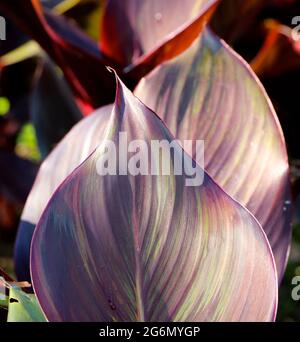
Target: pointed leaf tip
{"type": "Point", "coordinates": [148, 247]}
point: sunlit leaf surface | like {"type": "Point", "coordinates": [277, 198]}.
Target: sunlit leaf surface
{"type": "Point", "coordinates": [210, 93]}
{"type": "Point", "coordinates": [148, 248]}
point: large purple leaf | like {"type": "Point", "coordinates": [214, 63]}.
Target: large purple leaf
{"type": "Point", "coordinates": [210, 93]}
{"type": "Point", "coordinates": [148, 248]}
{"type": "Point", "coordinates": [143, 34]}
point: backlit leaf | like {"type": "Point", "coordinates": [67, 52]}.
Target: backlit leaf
{"type": "Point", "coordinates": [149, 248]}
{"type": "Point", "coordinates": [143, 34]}
{"type": "Point", "coordinates": [210, 93]}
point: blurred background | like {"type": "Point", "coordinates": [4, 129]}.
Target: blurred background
{"type": "Point", "coordinates": [263, 32]}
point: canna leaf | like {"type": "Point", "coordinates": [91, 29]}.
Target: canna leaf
{"type": "Point", "coordinates": [148, 248]}
{"type": "Point", "coordinates": [143, 34]}
{"type": "Point", "coordinates": [210, 93]}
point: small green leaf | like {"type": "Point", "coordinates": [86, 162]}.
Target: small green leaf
{"type": "Point", "coordinates": [23, 307]}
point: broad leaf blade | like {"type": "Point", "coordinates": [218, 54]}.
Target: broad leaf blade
{"type": "Point", "coordinates": [210, 93]}
{"type": "Point", "coordinates": [134, 248]}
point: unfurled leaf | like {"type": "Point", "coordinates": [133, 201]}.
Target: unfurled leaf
{"type": "Point", "coordinates": [210, 93]}
{"type": "Point", "coordinates": [23, 307]}
{"type": "Point", "coordinates": [143, 34]}
{"type": "Point", "coordinates": [148, 247]}
{"type": "Point", "coordinates": [53, 109]}
{"type": "Point", "coordinates": [77, 55]}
